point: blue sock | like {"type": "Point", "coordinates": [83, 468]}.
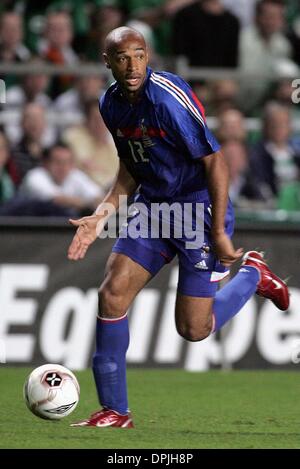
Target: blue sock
{"type": "Point", "coordinates": [230, 299]}
{"type": "Point", "coordinates": [109, 363]}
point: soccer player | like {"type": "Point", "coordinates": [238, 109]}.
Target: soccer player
{"type": "Point", "coordinates": [167, 151]}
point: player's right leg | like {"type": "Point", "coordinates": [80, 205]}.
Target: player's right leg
{"type": "Point", "coordinates": [133, 263]}
{"type": "Point", "coordinates": [124, 278]}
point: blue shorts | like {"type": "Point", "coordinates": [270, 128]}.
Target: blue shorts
{"type": "Point", "coordinates": [199, 270]}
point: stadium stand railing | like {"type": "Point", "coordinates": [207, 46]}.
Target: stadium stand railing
{"type": "Point", "coordinates": [180, 66]}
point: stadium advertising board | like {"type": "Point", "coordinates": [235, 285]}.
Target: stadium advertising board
{"type": "Point", "coordinates": [48, 307]}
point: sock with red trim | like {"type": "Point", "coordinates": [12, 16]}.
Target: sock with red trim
{"type": "Point", "coordinates": [109, 363]}
{"type": "Point", "coordinates": [231, 298]}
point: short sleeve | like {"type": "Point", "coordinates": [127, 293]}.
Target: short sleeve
{"type": "Point", "coordinates": [184, 119]}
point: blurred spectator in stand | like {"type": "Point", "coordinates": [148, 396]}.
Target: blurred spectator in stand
{"type": "Point", "coordinates": [282, 93]}
{"type": "Point", "coordinates": [232, 134]}
{"type": "Point", "coordinates": [224, 95]}
{"type": "Point", "coordinates": [7, 5]}
{"type": "Point", "coordinates": [202, 90]}
{"type": "Point", "coordinates": [264, 51]}
{"type": "Point", "coordinates": [244, 10]}
{"type": "Point", "coordinates": [207, 34]}
{"type": "Point", "coordinates": [32, 89]}
{"type": "Point", "coordinates": [34, 17]}
{"type": "Point", "coordinates": [293, 19]}
{"type": "Point", "coordinates": [105, 18]}
{"type": "Point", "coordinates": [73, 101]}
{"type": "Point", "coordinates": [274, 159]}
{"type": "Point", "coordinates": [11, 35]}
{"type": "Point", "coordinates": [6, 185]}
{"type": "Point", "coordinates": [56, 47]}
{"type": "Point", "coordinates": [93, 147]}
{"type": "Point", "coordinates": [110, 15]}
{"type": "Point", "coordinates": [294, 38]}
{"type": "Point", "coordinates": [292, 11]}
{"type": "Point", "coordinates": [60, 183]}
{"type": "Point", "coordinates": [14, 127]}
{"type": "Point", "coordinates": [12, 50]}
{"type": "Point", "coordinates": [289, 195]}
{"type": "Point", "coordinates": [157, 15]}
{"type": "Point", "coordinates": [242, 185]}
{"type": "Point", "coordinates": [28, 153]}
{"type": "Point", "coordinates": [231, 126]}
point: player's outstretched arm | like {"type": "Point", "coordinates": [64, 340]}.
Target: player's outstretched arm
{"type": "Point", "coordinates": [89, 228]}
{"type": "Point", "coordinates": [218, 182]}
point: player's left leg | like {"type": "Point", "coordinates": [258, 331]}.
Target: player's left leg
{"type": "Point", "coordinates": [193, 317]}
{"type": "Point", "coordinates": [201, 310]}
{"type": "Point", "coordinates": [197, 316]}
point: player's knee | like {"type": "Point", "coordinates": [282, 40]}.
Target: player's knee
{"type": "Point", "coordinates": [111, 300]}
{"type": "Point", "coordinates": [193, 335]}
{"type": "Point", "coordinates": [193, 332]}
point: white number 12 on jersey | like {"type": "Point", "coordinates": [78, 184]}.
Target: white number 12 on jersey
{"type": "Point", "coordinates": [138, 152]}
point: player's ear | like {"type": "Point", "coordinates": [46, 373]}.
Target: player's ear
{"type": "Point", "coordinates": [106, 60]}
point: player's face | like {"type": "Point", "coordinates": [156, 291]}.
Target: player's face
{"type": "Point", "coordinates": [128, 62]}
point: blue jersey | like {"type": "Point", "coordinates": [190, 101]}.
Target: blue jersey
{"type": "Point", "coordinates": [162, 137]}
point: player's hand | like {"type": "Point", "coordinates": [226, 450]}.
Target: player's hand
{"type": "Point", "coordinates": [85, 235]}
{"type": "Point", "coordinates": [224, 249]}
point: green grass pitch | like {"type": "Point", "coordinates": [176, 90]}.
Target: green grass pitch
{"type": "Point", "coordinates": [171, 408]}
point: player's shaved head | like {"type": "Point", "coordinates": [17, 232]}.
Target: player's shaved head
{"type": "Point", "coordinates": [127, 56]}
{"type": "Point", "coordinates": [120, 35]}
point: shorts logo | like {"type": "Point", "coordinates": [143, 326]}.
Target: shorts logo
{"type": "Point", "coordinates": [201, 265]}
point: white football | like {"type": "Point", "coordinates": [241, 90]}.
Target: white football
{"type": "Point", "coordinates": [51, 392]}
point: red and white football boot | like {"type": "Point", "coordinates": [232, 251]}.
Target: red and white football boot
{"type": "Point", "coordinates": [106, 418]}
{"type": "Point", "coordinates": [269, 286]}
